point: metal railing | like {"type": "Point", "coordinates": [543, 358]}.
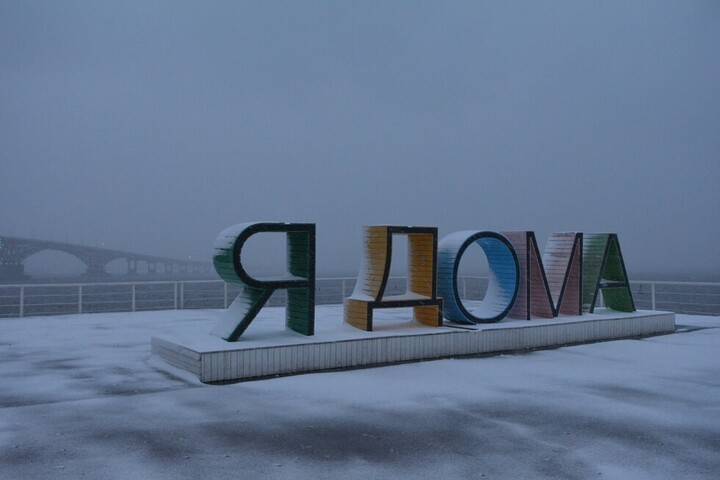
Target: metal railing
{"type": "Point", "coordinates": [693, 298]}
{"type": "Point", "coordinates": [57, 299]}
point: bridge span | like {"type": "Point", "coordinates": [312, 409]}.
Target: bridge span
{"type": "Point", "coordinates": [15, 250]}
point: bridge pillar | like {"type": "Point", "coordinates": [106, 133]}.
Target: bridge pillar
{"type": "Point", "coordinates": [11, 273]}
{"type": "Point", "coordinates": [132, 267]}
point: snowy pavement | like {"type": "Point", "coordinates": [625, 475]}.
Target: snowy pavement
{"type": "Point", "coordinates": [80, 397]}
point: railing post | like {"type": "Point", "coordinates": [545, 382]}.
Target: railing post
{"type": "Point", "coordinates": [80, 299]}
{"type": "Point", "coordinates": [182, 295]}
{"type": "Point", "coordinates": [343, 291]}
{"type": "Point", "coordinates": [133, 297]}
{"type": "Point", "coordinates": [225, 287]}
{"type": "Point", "coordinates": [175, 297]}
{"type": "Point", "coordinates": [22, 300]}
{"type": "Point", "coordinates": [652, 294]}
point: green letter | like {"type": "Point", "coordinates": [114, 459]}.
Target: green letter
{"type": "Point", "coordinates": [603, 268]}
{"type": "Point", "coordinates": [299, 281]}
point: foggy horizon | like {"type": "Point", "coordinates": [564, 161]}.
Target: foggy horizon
{"type": "Point", "coordinates": [151, 127]}
{"type": "Point", "coordinates": [52, 264]}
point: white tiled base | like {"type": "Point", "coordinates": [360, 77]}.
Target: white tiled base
{"type": "Point", "coordinates": [213, 359]}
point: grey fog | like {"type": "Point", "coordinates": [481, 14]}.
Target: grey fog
{"type": "Point", "coordinates": [152, 126]}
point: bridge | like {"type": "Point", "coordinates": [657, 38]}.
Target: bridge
{"type": "Point", "coordinates": [14, 251]}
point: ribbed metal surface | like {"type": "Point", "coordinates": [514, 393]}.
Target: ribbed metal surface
{"type": "Point", "coordinates": [371, 290]}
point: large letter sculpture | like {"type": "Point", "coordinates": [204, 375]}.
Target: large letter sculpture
{"type": "Point", "coordinates": [604, 269]}
{"type": "Point", "coordinates": [552, 284]}
{"type": "Point", "coordinates": [299, 282]}
{"type": "Point", "coordinates": [422, 270]}
{"type": "Point", "coordinates": [503, 281]}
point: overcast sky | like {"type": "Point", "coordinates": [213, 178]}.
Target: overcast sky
{"type": "Point", "coordinates": [152, 126]}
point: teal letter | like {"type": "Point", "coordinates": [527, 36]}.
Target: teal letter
{"type": "Point", "coordinates": [604, 268]}
{"type": "Point", "coordinates": [299, 281]}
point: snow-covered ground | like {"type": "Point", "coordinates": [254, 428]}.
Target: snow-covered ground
{"type": "Point", "coordinates": [80, 397]}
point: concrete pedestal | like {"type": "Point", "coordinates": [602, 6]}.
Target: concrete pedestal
{"type": "Point", "coordinates": [273, 351]}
